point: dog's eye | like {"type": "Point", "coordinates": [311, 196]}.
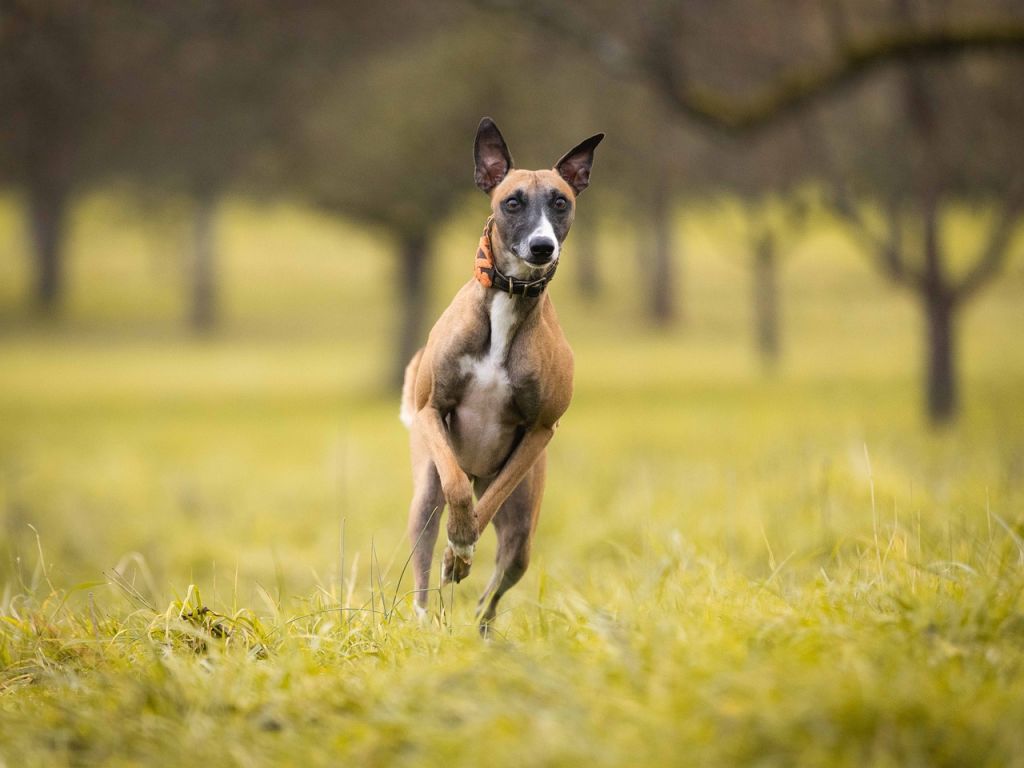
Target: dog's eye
{"type": "Point", "coordinates": [560, 204]}
{"type": "Point", "coordinates": [512, 205]}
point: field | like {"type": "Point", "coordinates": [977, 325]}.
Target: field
{"type": "Point", "coordinates": [203, 540]}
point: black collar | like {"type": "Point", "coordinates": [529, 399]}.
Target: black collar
{"type": "Point", "coordinates": [513, 286]}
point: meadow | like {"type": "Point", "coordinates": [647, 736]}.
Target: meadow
{"type": "Point", "coordinates": [202, 540]}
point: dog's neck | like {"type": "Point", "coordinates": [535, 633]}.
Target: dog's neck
{"type": "Point", "coordinates": [505, 310]}
{"type": "Point", "coordinates": [506, 315]}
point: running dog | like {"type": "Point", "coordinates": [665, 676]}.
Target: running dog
{"type": "Point", "coordinates": [483, 397]}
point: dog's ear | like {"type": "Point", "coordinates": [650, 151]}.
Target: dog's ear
{"type": "Point", "coordinates": [575, 164]}
{"type": "Point", "coordinates": [493, 161]}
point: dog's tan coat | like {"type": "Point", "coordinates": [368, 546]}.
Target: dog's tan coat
{"type": "Point", "coordinates": [482, 400]}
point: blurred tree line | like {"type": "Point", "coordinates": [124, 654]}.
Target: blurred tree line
{"type": "Point", "coordinates": [893, 111]}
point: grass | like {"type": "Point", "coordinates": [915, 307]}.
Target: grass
{"type": "Point", "coordinates": [203, 540]}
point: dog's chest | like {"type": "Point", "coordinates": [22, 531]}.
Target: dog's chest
{"type": "Point", "coordinates": [488, 380]}
{"type": "Point", "coordinates": [485, 421]}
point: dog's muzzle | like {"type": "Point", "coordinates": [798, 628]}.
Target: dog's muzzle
{"type": "Point", "coordinates": [541, 251]}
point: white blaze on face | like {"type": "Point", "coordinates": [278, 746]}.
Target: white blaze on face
{"type": "Point", "coordinates": [543, 230]}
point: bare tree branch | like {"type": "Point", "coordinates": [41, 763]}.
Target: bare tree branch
{"type": "Point", "coordinates": [886, 251]}
{"type": "Point", "coordinates": [893, 253]}
{"type": "Point", "coordinates": [996, 251]}
{"type": "Point", "coordinates": [662, 33]}
{"type": "Point", "coordinates": [851, 62]}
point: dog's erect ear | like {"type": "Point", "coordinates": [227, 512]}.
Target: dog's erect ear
{"type": "Point", "coordinates": [575, 164]}
{"type": "Point", "coordinates": [493, 161]}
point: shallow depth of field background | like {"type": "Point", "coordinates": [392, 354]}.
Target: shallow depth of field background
{"type": "Point", "coordinates": [740, 560]}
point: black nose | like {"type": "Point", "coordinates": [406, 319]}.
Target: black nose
{"type": "Point", "coordinates": [541, 249]}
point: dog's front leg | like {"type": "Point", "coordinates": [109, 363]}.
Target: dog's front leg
{"type": "Point", "coordinates": [458, 493]}
{"type": "Point", "coordinates": [511, 474]}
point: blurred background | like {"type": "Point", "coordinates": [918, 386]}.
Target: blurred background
{"type": "Point", "coordinates": [225, 226]}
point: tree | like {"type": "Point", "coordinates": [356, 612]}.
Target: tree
{"type": "Point", "coordinates": [405, 180]}
{"type": "Point", "coordinates": [767, 175]}
{"type": "Point", "coordinates": [660, 157]}
{"type": "Point", "coordinates": [918, 175]}
{"type": "Point", "coordinates": [180, 98]}
{"type": "Point", "coordinates": [207, 88]}
{"type": "Point", "coordinates": [715, 67]}
{"type": "Point", "coordinates": [52, 90]}
{"type": "Point", "coordinates": [771, 223]}
{"type": "Point", "coordinates": [910, 163]}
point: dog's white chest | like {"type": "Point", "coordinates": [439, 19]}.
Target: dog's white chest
{"type": "Point", "coordinates": [483, 428]}
{"type": "Point", "coordinates": [488, 380]}
{"type": "Point", "coordinates": [488, 376]}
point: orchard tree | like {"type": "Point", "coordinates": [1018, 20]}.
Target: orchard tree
{"type": "Point", "coordinates": [180, 98]}
{"type": "Point", "coordinates": [52, 90]}
{"type": "Point", "coordinates": [903, 173]}
{"type": "Point", "coordinates": [929, 139]}
{"type": "Point", "coordinates": [203, 90]}
{"type": "Point", "coordinates": [388, 147]}
{"type": "Point", "coordinates": [716, 67]}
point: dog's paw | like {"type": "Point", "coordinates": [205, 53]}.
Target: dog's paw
{"type": "Point", "coordinates": [462, 551]}
{"type": "Point", "coordinates": [456, 563]}
{"type": "Point", "coordinates": [422, 615]}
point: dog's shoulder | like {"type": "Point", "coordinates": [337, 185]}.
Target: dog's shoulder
{"type": "Point", "coordinates": [542, 368]}
{"type": "Point", "coordinates": [461, 329]}
{"type": "Point", "coordinates": [462, 326]}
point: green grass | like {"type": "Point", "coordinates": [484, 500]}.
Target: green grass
{"type": "Point", "coordinates": [203, 540]}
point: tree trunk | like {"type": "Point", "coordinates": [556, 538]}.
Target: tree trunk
{"type": "Point", "coordinates": [47, 219]}
{"type": "Point", "coordinates": [588, 277]}
{"type": "Point", "coordinates": [203, 310]}
{"type": "Point", "coordinates": [936, 293]}
{"type": "Point", "coordinates": [940, 313]}
{"type": "Point", "coordinates": [941, 383]}
{"type": "Point", "coordinates": [766, 305]}
{"type": "Point", "coordinates": [414, 258]}
{"type": "Point", "coordinates": [664, 306]}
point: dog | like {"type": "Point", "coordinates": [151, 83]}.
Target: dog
{"type": "Point", "coordinates": [483, 397]}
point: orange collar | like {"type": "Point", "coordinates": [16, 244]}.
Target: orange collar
{"type": "Point", "coordinates": [484, 268]}
{"type": "Point", "coordinates": [488, 275]}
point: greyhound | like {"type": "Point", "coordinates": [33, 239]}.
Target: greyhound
{"type": "Point", "coordinates": [483, 397]}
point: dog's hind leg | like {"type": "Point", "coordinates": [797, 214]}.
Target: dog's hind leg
{"type": "Point", "coordinates": [424, 521]}
{"type": "Point", "coordinates": [514, 523]}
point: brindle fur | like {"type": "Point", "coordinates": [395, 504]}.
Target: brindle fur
{"type": "Point", "coordinates": [484, 396]}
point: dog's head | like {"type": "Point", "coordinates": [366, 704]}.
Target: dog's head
{"type": "Point", "coordinates": [533, 210]}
